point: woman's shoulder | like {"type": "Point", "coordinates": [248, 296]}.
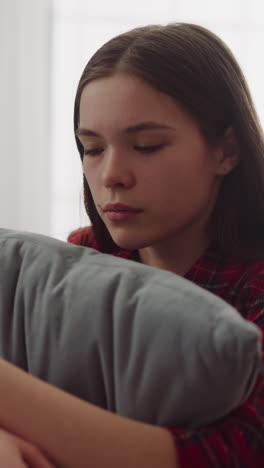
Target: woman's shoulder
{"type": "Point", "coordinates": [239, 282]}
{"type": "Point", "coordinates": [246, 289]}
{"type": "Point", "coordinates": [82, 236]}
{"type": "Point", "coordinates": [85, 236]}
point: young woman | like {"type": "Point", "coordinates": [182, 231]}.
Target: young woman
{"type": "Point", "coordinates": [172, 155]}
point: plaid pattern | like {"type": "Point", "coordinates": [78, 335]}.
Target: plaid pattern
{"type": "Point", "coordinates": [236, 441]}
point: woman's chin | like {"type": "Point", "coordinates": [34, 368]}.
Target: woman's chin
{"type": "Point", "coordinates": [126, 243]}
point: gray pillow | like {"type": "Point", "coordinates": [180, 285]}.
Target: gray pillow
{"type": "Point", "coordinates": [139, 341]}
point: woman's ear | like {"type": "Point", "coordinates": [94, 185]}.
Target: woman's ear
{"type": "Point", "coordinates": [228, 156]}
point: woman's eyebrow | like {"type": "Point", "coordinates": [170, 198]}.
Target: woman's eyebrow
{"type": "Point", "coordinates": [147, 126]}
{"type": "Point", "coordinates": [85, 132]}
{"type": "Point", "coordinates": [142, 126]}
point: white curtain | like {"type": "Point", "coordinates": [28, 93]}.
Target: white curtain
{"type": "Point", "coordinates": [46, 45]}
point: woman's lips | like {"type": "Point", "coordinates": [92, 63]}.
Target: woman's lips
{"type": "Point", "coordinates": [121, 215]}
{"type": "Point", "coordinates": [120, 212]}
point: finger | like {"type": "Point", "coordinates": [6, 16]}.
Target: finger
{"type": "Point", "coordinates": [34, 457]}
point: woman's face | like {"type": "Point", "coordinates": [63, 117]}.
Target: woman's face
{"type": "Point", "coordinates": [151, 174]}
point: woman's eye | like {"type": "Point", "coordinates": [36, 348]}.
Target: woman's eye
{"type": "Point", "coordinates": [92, 151]}
{"type": "Point", "coordinates": [148, 148]}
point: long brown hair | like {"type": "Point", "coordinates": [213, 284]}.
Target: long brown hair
{"type": "Point", "coordinates": [194, 67]}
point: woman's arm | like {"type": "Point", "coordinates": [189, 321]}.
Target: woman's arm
{"type": "Point", "coordinates": [74, 433]}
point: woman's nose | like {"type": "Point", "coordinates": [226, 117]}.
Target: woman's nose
{"type": "Point", "coordinates": [116, 171]}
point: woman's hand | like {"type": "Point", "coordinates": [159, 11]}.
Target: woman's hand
{"type": "Point", "coordinates": [17, 453]}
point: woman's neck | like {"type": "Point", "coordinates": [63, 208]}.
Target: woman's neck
{"type": "Point", "coordinates": [174, 255]}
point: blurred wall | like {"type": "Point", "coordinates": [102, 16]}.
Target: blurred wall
{"type": "Point", "coordinates": [24, 115]}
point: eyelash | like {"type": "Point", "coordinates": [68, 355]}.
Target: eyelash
{"type": "Point", "coordinates": [92, 152]}
{"type": "Point", "coordinates": [143, 149]}
{"type": "Point", "coordinates": [149, 149]}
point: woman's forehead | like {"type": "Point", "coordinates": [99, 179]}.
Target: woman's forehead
{"type": "Point", "coordinates": [126, 101]}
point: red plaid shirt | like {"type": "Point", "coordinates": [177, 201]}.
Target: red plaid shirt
{"type": "Point", "coordinates": [236, 441]}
